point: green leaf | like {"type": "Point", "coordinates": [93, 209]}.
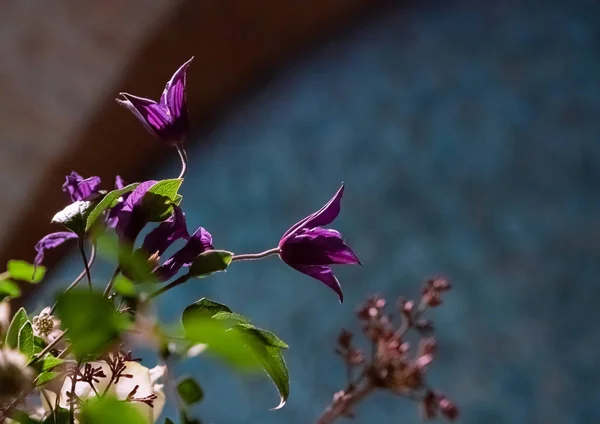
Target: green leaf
{"type": "Point", "coordinates": [9, 289]}
{"type": "Point", "coordinates": [203, 308]}
{"type": "Point", "coordinates": [25, 340]}
{"type": "Point", "coordinates": [47, 363]}
{"type": "Point", "coordinates": [124, 286]}
{"type": "Point", "coordinates": [108, 410]}
{"type": "Point", "coordinates": [272, 361]}
{"type": "Point", "coordinates": [24, 271]}
{"type": "Point", "coordinates": [12, 335]}
{"type": "Point", "coordinates": [133, 264]}
{"type": "Point", "coordinates": [189, 391]}
{"type": "Point", "coordinates": [22, 418]}
{"type": "Point", "coordinates": [91, 319]}
{"type": "Point", "coordinates": [221, 342]}
{"type": "Point", "coordinates": [158, 201]}
{"type": "Point", "coordinates": [108, 201]}
{"type": "Point", "coordinates": [210, 262]}
{"type": "Point", "coordinates": [74, 216]}
{"type": "Point", "coordinates": [168, 421]}
{"type": "Point", "coordinates": [46, 376]}
{"type": "Point", "coordinates": [231, 316]}
{"type": "Point", "coordinates": [266, 337]}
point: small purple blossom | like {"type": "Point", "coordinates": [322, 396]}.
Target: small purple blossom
{"type": "Point", "coordinates": [130, 219]}
{"type": "Point", "coordinates": [162, 237]}
{"type": "Point", "coordinates": [79, 188]}
{"type": "Point", "coordinates": [166, 119]}
{"type": "Point", "coordinates": [310, 249]}
{"type": "Point", "coordinates": [51, 241]}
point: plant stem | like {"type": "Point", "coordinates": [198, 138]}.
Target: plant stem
{"type": "Point", "coordinates": [338, 409]}
{"type": "Point", "coordinates": [48, 348]}
{"type": "Point", "coordinates": [169, 286]}
{"type": "Point", "coordinates": [80, 276]}
{"type": "Point", "coordinates": [255, 256]}
{"type": "Point", "coordinates": [85, 262]}
{"type": "Point", "coordinates": [184, 160]}
{"type": "Point", "coordinates": [111, 282]}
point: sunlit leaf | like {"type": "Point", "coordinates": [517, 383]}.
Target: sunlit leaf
{"type": "Point", "coordinates": [108, 201]}
{"type": "Point", "coordinates": [108, 410]}
{"type": "Point", "coordinates": [24, 271]}
{"type": "Point", "coordinates": [12, 335]}
{"type": "Point", "coordinates": [25, 340]}
{"type": "Point", "coordinates": [9, 289]}
{"type": "Point", "coordinates": [74, 216]}
{"type": "Point", "coordinates": [158, 201]}
{"type": "Point", "coordinates": [209, 262]}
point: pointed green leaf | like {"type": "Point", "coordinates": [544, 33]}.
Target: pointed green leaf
{"type": "Point", "coordinates": [74, 216]}
{"type": "Point", "coordinates": [158, 201]}
{"type": "Point", "coordinates": [22, 418]}
{"type": "Point", "coordinates": [47, 363]}
{"type": "Point", "coordinates": [60, 416]}
{"type": "Point", "coordinates": [25, 340]}
{"type": "Point", "coordinates": [22, 270]}
{"type": "Point", "coordinates": [189, 391]}
{"type": "Point", "coordinates": [210, 262]}
{"type": "Point", "coordinates": [107, 410]}
{"type": "Point", "coordinates": [46, 376]}
{"type": "Point", "coordinates": [12, 335]}
{"type": "Point", "coordinates": [203, 308]}
{"type": "Point", "coordinates": [268, 338]}
{"type": "Point", "coordinates": [231, 316]}
{"type": "Point", "coordinates": [272, 361]}
{"type": "Point", "coordinates": [91, 319]}
{"type": "Point", "coordinates": [108, 201]}
{"type": "Point", "coordinates": [9, 289]}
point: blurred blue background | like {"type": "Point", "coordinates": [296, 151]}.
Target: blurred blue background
{"type": "Point", "coordinates": [468, 136]}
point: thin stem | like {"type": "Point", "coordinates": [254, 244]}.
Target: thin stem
{"type": "Point", "coordinates": [48, 348]}
{"type": "Point", "coordinates": [255, 256]}
{"type": "Point", "coordinates": [169, 286]}
{"type": "Point", "coordinates": [183, 157]}
{"type": "Point", "coordinates": [338, 409]}
{"type": "Point", "coordinates": [80, 276]}
{"type": "Point", "coordinates": [111, 282]}
{"type": "Point", "coordinates": [85, 262]}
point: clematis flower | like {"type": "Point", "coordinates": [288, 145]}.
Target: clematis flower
{"type": "Point", "coordinates": [137, 384]}
{"type": "Point", "coordinates": [51, 241]}
{"type": "Point", "coordinates": [166, 119]}
{"type": "Point", "coordinates": [130, 219]}
{"type": "Point", "coordinates": [309, 248]}
{"type": "Point", "coordinates": [79, 188]}
{"type": "Point", "coordinates": [46, 326]}
{"type": "Point", "coordinates": [162, 237]}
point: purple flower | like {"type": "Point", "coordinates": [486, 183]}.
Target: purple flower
{"type": "Point", "coordinates": [166, 119]}
{"type": "Point", "coordinates": [112, 217]}
{"type": "Point", "coordinates": [79, 188]}
{"type": "Point", "coordinates": [50, 241]}
{"type": "Point", "coordinates": [310, 249]}
{"type": "Point", "coordinates": [130, 219]}
{"type": "Point", "coordinates": [162, 237]}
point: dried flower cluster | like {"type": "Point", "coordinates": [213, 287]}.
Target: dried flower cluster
{"type": "Point", "coordinates": [394, 364]}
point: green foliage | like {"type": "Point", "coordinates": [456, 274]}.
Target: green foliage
{"type": "Point", "coordinates": [22, 418]}
{"type": "Point", "coordinates": [12, 335]}
{"type": "Point", "coordinates": [9, 289]}
{"type": "Point", "coordinates": [215, 325]}
{"type": "Point", "coordinates": [210, 262]}
{"type": "Point", "coordinates": [158, 201]}
{"type": "Point", "coordinates": [46, 376]}
{"type": "Point", "coordinates": [24, 271]}
{"type": "Point", "coordinates": [60, 416]}
{"type": "Point", "coordinates": [108, 201]}
{"type": "Point", "coordinates": [134, 264]}
{"type": "Point", "coordinates": [25, 340]}
{"type": "Point", "coordinates": [74, 216]}
{"type": "Point", "coordinates": [168, 421]}
{"type": "Point", "coordinates": [47, 363]}
{"type": "Point", "coordinates": [91, 320]}
{"type": "Point", "coordinates": [107, 410]}
{"type": "Point", "coordinates": [189, 391]}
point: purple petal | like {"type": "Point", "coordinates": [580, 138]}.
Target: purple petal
{"type": "Point", "coordinates": [317, 246]}
{"type": "Point", "coordinates": [130, 219]}
{"type": "Point", "coordinates": [323, 274]}
{"type": "Point", "coordinates": [152, 116]}
{"type": "Point", "coordinates": [173, 96]}
{"type": "Point", "coordinates": [51, 241]}
{"type": "Point", "coordinates": [323, 216]}
{"type": "Point", "coordinates": [198, 243]}
{"type": "Point", "coordinates": [119, 183]}
{"type": "Point", "coordinates": [159, 239]}
{"type": "Point", "coordinates": [79, 188]}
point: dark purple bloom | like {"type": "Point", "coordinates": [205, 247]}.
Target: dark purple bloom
{"type": "Point", "coordinates": [310, 249]}
{"type": "Point", "coordinates": [79, 188]}
{"type": "Point", "coordinates": [166, 119]}
{"type": "Point", "coordinates": [113, 214]}
{"type": "Point", "coordinates": [130, 219]}
{"type": "Point", "coordinates": [51, 241]}
{"type": "Point", "coordinates": [162, 237]}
